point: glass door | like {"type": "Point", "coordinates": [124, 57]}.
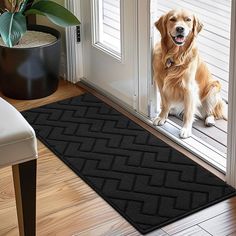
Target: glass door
{"type": "Point", "coordinates": [209, 143]}
{"type": "Point", "coordinates": [110, 58]}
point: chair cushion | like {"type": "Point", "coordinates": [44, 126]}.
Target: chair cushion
{"type": "Point", "coordinates": [17, 138]}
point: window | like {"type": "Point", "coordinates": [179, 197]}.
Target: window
{"type": "Point", "coordinates": [107, 20]}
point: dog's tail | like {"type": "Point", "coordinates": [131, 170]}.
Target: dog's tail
{"type": "Point", "coordinates": [220, 110]}
{"type": "Point", "coordinates": [215, 104]}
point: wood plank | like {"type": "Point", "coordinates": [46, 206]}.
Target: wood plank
{"type": "Point", "coordinates": [222, 125]}
{"type": "Point", "coordinates": [223, 225]}
{"type": "Point", "coordinates": [111, 8]}
{"type": "Point", "coordinates": [60, 93]}
{"type": "Point", "coordinates": [111, 23]}
{"type": "Point", "coordinates": [211, 135]}
{"type": "Point", "coordinates": [9, 224]}
{"type": "Point", "coordinates": [193, 231]}
{"type": "Point", "coordinates": [201, 216]}
{"type": "Point", "coordinates": [113, 227]}
{"type": "Point", "coordinates": [73, 220]}
{"type": "Point", "coordinates": [7, 194]}
{"type": "Point", "coordinates": [117, 227]}
{"type": "Point", "coordinates": [222, 48]}
{"type": "Point", "coordinates": [115, 3]}
{"type": "Point", "coordinates": [226, 2]}
{"type": "Point", "coordinates": [219, 73]}
{"type": "Point", "coordinates": [111, 31]}
{"type": "Point", "coordinates": [111, 14]}
{"type": "Point", "coordinates": [223, 5]}
{"type": "Point", "coordinates": [225, 41]}
{"type": "Point", "coordinates": [222, 28]}
{"type": "Point", "coordinates": [215, 57]}
{"type": "Point", "coordinates": [8, 217]}
{"type": "Point", "coordinates": [221, 10]}
{"type": "Point", "coordinates": [199, 8]}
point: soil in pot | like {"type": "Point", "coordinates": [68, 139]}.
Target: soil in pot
{"type": "Point", "coordinates": [33, 39]}
{"type": "Point", "coordinates": [30, 70]}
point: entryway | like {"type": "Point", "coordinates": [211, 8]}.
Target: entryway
{"type": "Point", "coordinates": [118, 41]}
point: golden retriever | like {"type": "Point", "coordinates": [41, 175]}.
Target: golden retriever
{"type": "Point", "coordinates": [183, 79]}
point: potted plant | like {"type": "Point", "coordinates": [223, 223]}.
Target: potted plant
{"type": "Point", "coordinates": [30, 71]}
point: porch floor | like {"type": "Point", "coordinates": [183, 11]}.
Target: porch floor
{"type": "Point", "coordinates": [216, 135]}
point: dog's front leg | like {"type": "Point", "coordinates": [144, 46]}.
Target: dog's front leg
{"type": "Point", "coordinates": [190, 104]}
{"type": "Point", "coordinates": [165, 108]}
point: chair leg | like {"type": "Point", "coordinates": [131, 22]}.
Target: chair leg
{"type": "Point", "coordinates": [24, 176]}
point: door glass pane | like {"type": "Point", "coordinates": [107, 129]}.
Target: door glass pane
{"type": "Point", "coordinates": [214, 46]}
{"type": "Point", "coordinates": [107, 34]}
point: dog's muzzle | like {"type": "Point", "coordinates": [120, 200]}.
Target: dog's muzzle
{"type": "Point", "coordinates": [180, 36]}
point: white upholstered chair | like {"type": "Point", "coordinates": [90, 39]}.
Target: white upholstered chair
{"type": "Point", "coordinates": [18, 148]}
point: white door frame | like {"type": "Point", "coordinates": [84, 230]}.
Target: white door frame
{"type": "Point", "coordinates": [74, 49]}
{"type": "Point", "coordinates": [144, 57]}
{"type": "Point", "coordinates": [231, 142]}
{"type": "Point", "coordinates": [75, 68]}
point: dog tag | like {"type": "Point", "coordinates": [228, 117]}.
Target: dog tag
{"type": "Point", "coordinates": [169, 62]}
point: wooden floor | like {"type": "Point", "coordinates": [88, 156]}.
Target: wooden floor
{"type": "Point", "coordinates": [67, 206]}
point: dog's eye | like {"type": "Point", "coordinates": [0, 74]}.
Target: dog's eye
{"type": "Point", "coordinates": [188, 19]}
{"type": "Point", "coordinates": [173, 19]}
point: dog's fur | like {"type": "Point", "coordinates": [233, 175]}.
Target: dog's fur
{"type": "Point", "coordinates": [183, 79]}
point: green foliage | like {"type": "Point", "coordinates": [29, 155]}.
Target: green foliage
{"type": "Point", "coordinates": [54, 12]}
{"type": "Point", "coordinates": [13, 18]}
{"type": "Point", "coordinates": [12, 27]}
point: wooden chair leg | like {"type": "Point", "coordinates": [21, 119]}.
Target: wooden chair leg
{"type": "Point", "coordinates": [24, 176]}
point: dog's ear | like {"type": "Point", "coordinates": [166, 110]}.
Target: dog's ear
{"type": "Point", "coordinates": [197, 25]}
{"type": "Point", "coordinates": [161, 25]}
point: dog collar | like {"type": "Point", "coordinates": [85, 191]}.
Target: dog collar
{"type": "Point", "coordinates": [169, 62]}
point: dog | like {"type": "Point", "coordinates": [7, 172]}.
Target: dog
{"type": "Point", "coordinates": [182, 77]}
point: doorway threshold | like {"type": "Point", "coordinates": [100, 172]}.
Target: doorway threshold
{"type": "Point", "coordinates": [195, 144]}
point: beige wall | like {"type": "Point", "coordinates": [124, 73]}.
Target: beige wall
{"type": "Point", "coordinates": [41, 20]}
{"type": "Point", "coordinates": [44, 21]}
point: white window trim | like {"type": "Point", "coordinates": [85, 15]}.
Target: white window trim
{"type": "Point", "coordinates": [144, 58]}
{"type": "Point", "coordinates": [231, 142]}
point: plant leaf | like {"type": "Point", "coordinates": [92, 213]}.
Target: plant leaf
{"type": "Point", "coordinates": [23, 5]}
{"type": "Point", "coordinates": [54, 12]}
{"type": "Point", "coordinates": [12, 27]}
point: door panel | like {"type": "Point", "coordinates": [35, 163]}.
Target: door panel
{"type": "Point", "coordinates": [110, 47]}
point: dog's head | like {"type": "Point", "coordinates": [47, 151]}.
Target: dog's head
{"type": "Point", "coordinates": [179, 26]}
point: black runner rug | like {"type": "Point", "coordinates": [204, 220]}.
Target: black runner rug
{"type": "Point", "coordinates": [148, 182]}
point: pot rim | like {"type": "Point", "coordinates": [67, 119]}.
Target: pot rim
{"type": "Point", "coordinates": [40, 28]}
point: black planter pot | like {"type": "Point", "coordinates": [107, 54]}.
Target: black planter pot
{"type": "Point", "coordinates": [30, 73]}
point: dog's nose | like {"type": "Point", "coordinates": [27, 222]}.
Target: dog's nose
{"type": "Point", "coordinates": [179, 29]}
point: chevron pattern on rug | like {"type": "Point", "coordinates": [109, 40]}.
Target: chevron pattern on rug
{"type": "Point", "coordinates": [144, 179]}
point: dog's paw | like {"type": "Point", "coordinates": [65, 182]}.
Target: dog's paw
{"type": "Point", "coordinates": [210, 121]}
{"type": "Point", "coordinates": [185, 132]}
{"type": "Point", "coordinates": [159, 121]}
